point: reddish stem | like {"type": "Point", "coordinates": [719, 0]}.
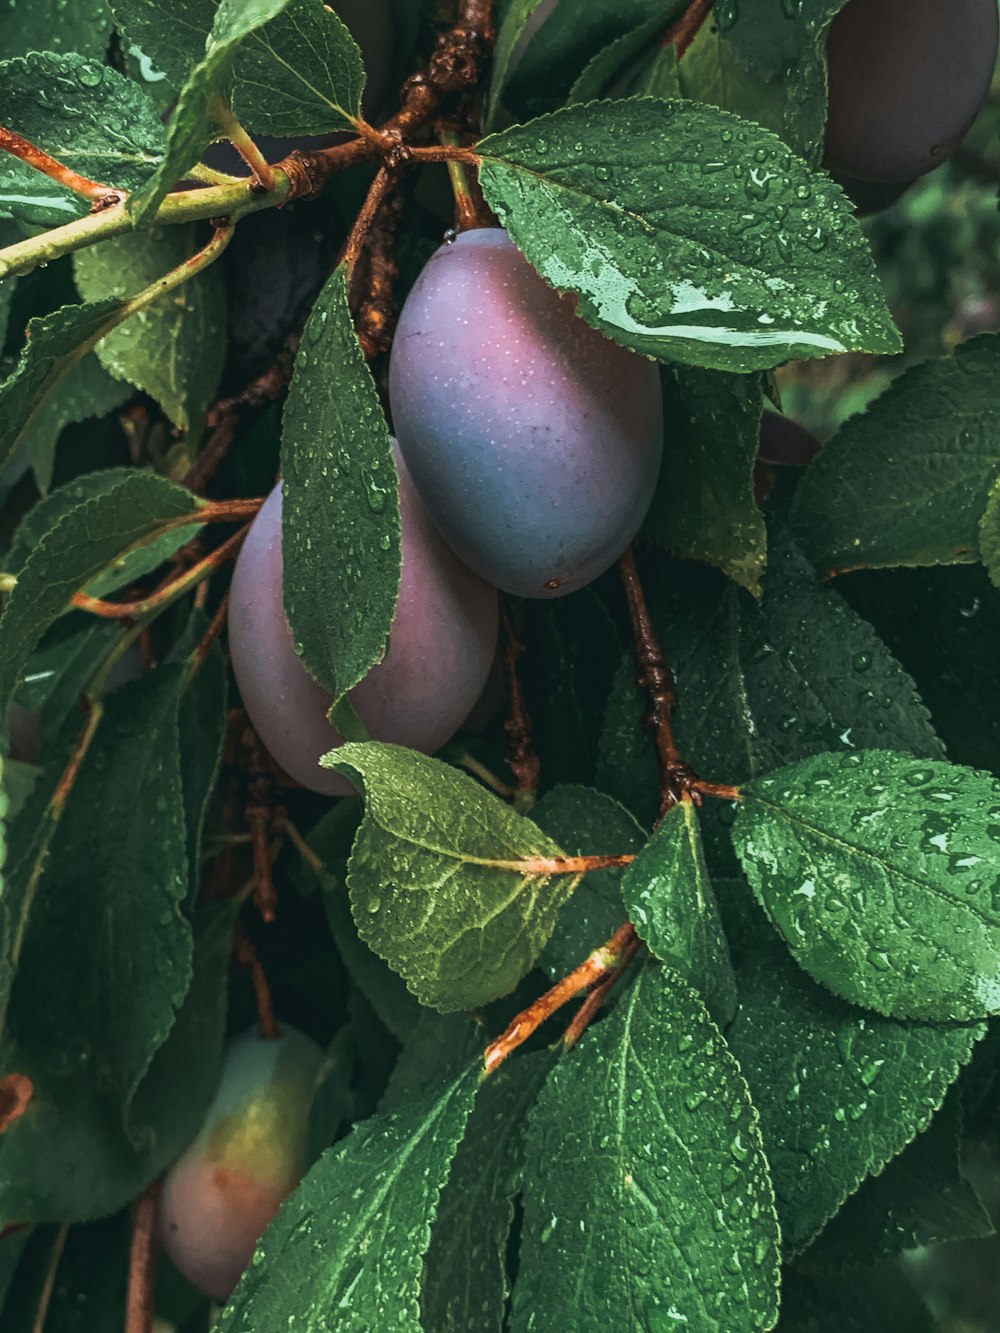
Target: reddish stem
{"type": "Point", "coordinates": [246, 956]}
{"type": "Point", "coordinates": [380, 187]}
{"type": "Point", "coordinates": [591, 1006]}
{"type": "Point", "coordinates": [16, 1092]}
{"type": "Point", "coordinates": [27, 152]}
{"type": "Point", "coordinates": [141, 1300]}
{"type": "Point", "coordinates": [521, 757]}
{"type": "Point", "coordinates": [682, 33]}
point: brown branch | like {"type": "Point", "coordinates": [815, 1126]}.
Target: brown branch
{"type": "Point", "coordinates": [140, 1307]}
{"type": "Point", "coordinates": [215, 628]}
{"type": "Point", "coordinates": [16, 1092]}
{"type": "Point", "coordinates": [591, 1006]}
{"type": "Point", "coordinates": [600, 963]}
{"type": "Point", "coordinates": [454, 68]}
{"type": "Point", "coordinates": [246, 956]}
{"type": "Point", "coordinates": [682, 33]}
{"type": "Point", "coordinates": [45, 1299]}
{"type": "Point", "coordinates": [376, 318]}
{"type": "Point", "coordinates": [33, 156]}
{"type": "Point", "coordinates": [379, 189]}
{"type": "Point", "coordinates": [522, 759]}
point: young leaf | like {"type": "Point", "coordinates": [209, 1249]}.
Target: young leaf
{"type": "Point", "coordinates": [82, 26]}
{"type": "Point", "coordinates": [86, 390]}
{"type": "Point", "coordinates": [839, 1092]}
{"type": "Point", "coordinates": [906, 482]}
{"type": "Point", "coordinates": [586, 823]}
{"type": "Point", "coordinates": [921, 1198]}
{"type": "Point", "coordinates": [672, 1221]}
{"type": "Point", "coordinates": [617, 68]}
{"type": "Point", "coordinates": [989, 536]}
{"type": "Point", "coordinates": [74, 551]}
{"type": "Point", "coordinates": [301, 73]}
{"type": "Point", "coordinates": [881, 871]}
{"type": "Point", "coordinates": [668, 896]}
{"type": "Point", "coordinates": [92, 119]}
{"type": "Point", "coordinates": [704, 507]}
{"type": "Point", "coordinates": [457, 892]}
{"type": "Point", "coordinates": [367, 1207]}
{"type": "Point", "coordinates": [174, 349]}
{"type": "Point", "coordinates": [340, 515]}
{"type": "Point", "coordinates": [466, 1286]}
{"type": "Point", "coordinates": [202, 736]}
{"type": "Point", "coordinates": [668, 243]}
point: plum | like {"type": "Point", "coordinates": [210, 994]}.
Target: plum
{"type": "Point", "coordinates": [441, 649]}
{"type": "Point", "coordinates": [907, 79]}
{"type": "Point", "coordinates": [783, 443]}
{"type": "Point", "coordinates": [250, 1154]}
{"type": "Point", "coordinates": [533, 440]}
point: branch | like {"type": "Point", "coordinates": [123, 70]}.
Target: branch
{"type": "Point", "coordinates": [45, 1299]}
{"type": "Point", "coordinates": [376, 318]}
{"type": "Point", "coordinates": [591, 1006]}
{"type": "Point", "coordinates": [141, 1300]}
{"type": "Point", "coordinates": [521, 757]}
{"type": "Point", "coordinates": [34, 156]}
{"type": "Point", "coordinates": [246, 956]}
{"type": "Point", "coordinates": [682, 33]}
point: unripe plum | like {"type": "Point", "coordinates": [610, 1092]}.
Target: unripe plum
{"type": "Point", "coordinates": [907, 79]}
{"type": "Point", "coordinates": [533, 440]}
{"type": "Point", "coordinates": [441, 649]}
{"type": "Point", "coordinates": [248, 1157]}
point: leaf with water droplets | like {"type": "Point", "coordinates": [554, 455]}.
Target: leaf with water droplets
{"type": "Point", "coordinates": [839, 1092]}
{"type": "Point", "coordinates": [688, 234]}
{"type": "Point", "coordinates": [456, 891]}
{"type": "Point", "coordinates": [648, 1201]}
{"type": "Point", "coordinates": [669, 898]}
{"type": "Point", "coordinates": [467, 1286]}
{"type": "Point", "coordinates": [989, 536]}
{"type": "Point", "coordinates": [906, 482]}
{"type": "Point", "coordinates": [704, 506]}
{"type": "Point", "coordinates": [882, 874]}
{"type": "Point", "coordinates": [80, 26]}
{"type": "Point", "coordinates": [340, 525]}
{"type": "Point", "coordinates": [87, 390]}
{"type": "Point", "coordinates": [86, 115]}
{"type": "Point", "coordinates": [173, 349]}
{"type": "Point", "coordinates": [346, 1252]}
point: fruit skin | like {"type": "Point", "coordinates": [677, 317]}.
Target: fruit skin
{"type": "Point", "coordinates": [783, 443]}
{"type": "Point", "coordinates": [249, 1156]}
{"type": "Point", "coordinates": [907, 78]}
{"type": "Point", "coordinates": [441, 648]}
{"type": "Point", "coordinates": [534, 441]}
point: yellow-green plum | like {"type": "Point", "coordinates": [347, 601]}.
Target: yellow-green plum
{"type": "Point", "coordinates": [250, 1154]}
{"type": "Point", "coordinates": [441, 649]}
{"type": "Point", "coordinates": [534, 441]}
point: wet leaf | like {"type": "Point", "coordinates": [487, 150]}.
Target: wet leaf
{"type": "Point", "coordinates": [80, 26]}
{"type": "Point", "coordinates": [989, 536]}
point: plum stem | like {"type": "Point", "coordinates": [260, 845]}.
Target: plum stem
{"type": "Point", "coordinates": [45, 1299]}
{"type": "Point", "coordinates": [101, 196]}
{"type": "Point", "coordinates": [264, 179]}
{"type": "Point", "coordinates": [681, 34]}
{"type": "Point", "coordinates": [591, 1006]}
{"type": "Point", "coordinates": [376, 317]}
{"type": "Point", "coordinates": [140, 1307]}
{"type": "Point", "coordinates": [246, 956]}
{"type": "Point", "coordinates": [522, 759]}
{"type": "Point", "coordinates": [594, 969]}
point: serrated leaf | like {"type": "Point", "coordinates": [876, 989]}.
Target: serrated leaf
{"type": "Point", "coordinates": [672, 1220]}
{"type": "Point", "coordinates": [202, 736]}
{"type": "Point", "coordinates": [906, 482]}
{"type": "Point", "coordinates": [921, 1198]}
{"type": "Point", "coordinates": [448, 884]}
{"type": "Point", "coordinates": [880, 871]}
{"type": "Point", "coordinates": [73, 552]}
{"type": "Point", "coordinates": [82, 26]}
{"type": "Point", "coordinates": [87, 390]}
{"type": "Point", "coordinates": [667, 243]}
{"type": "Point", "coordinates": [704, 506]}
{"type": "Point", "coordinates": [367, 1206]}
{"type": "Point", "coordinates": [437, 1051]}
{"type": "Point", "coordinates": [466, 1286]}
{"type": "Point", "coordinates": [511, 30]}
{"type": "Point", "coordinates": [300, 74]}
{"type": "Point", "coordinates": [989, 536]}
{"type": "Point", "coordinates": [669, 899]}
{"type": "Point", "coordinates": [111, 905]}
{"type": "Point", "coordinates": [173, 349]}
{"type": "Point", "coordinates": [586, 823]}
{"type": "Point", "coordinates": [56, 344]}
{"type": "Point", "coordinates": [657, 76]}
{"type": "Point", "coordinates": [173, 36]}
{"type": "Point", "coordinates": [340, 509]}
{"type": "Point", "coordinates": [92, 119]}
{"type": "Point", "coordinates": [839, 1092]}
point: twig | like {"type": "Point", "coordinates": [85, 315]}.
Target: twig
{"type": "Point", "coordinates": [591, 1006]}
{"type": "Point", "coordinates": [45, 1300]}
{"type": "Point", "coordinates": [16, 1092]}
{"type": "Point", "coordinates": [600, 963]}
{"type": "Point", "coordinates": [682, 33]}
{"type": "Point", "coordinates": [454, 67]}
{"type": "Point", "coordinates": [263, 172]}
{"type": "Point", "coordinates": [246, 956]}
{"type": "Point", "coordinates": [380, 187]}
{"type": "Point", "coordinates": [197, 659]}
{"type": "Point", "coordinates": [33, 156]}
{"type": "Point", "coordinates": [259, 817]}
{"type": "Point", "coordinates": [522, 759]}
{"type": "Point", "coordinates": [376, 318]}
{"type": "Point", "coordinates": [140, 1307]}
{"type": "Point", "coordinates": [284, 825]}
{"type": "Point", "coordinates": [486, 777]}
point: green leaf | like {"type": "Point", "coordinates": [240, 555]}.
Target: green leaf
{"type": "Point", "coordinates": [108, 907]}
{"type": "Point", "coordinates": [73, 552]}
{"type": "Point", "coordinates": [448, 884]}
{"type": "Point", "coordinates": [839, 1092]}
{"type": "Point", "coordinates": [437, 1051]}
{"type": "Point", "coordinates": [202, 736]}
{"type": "Point", "coordinates": [173, 349]}
{"type": "Point", "coordinates": [340, 514]}
{"type": "Point", "coordinates": [302, 73]}
{"type": "Point", "coordinates": [880, 871]}
{"type": "Point", "coordinates": [56, 344]}
{"type": "Point", "coordinates": [10, 233]}
{"type": "Point", "coordinates": [704, 507]}
{"type": "Point", "coordinates": [668, 243]}
{"type": "Point", "coordinates": [92, 119]}
{"type": "Point", "coordinates": [586, 823]}
{"type": "Point", "coordinates": [381, 987]}
{"type": "Point", "coordinates": [906, 482]}
{"type": "Point", "coordinates": [989, 536]}
{"type": "Point", "coordinates": [86, 390]}
{"type": "Point", "coordinates": [610, 70]}
{"type": "Point", "coordinates": [672, 1221]}
{"type": "Point", "coordinates": [921, 1198]}
{"type": "Point", "coordinates": [83, 26]}
{"type": "Point", "coordinates": [173, 36]}
{"type": "Point", "coordinates": [467, 1286]}
{"type": "Point", "coordinates": [206, 94]}
{"type": "Point", "coordinates": [367, 1206]}
{"type": "Point", "coordinates": [512, 27]}
{"type": "Point", "coordinates": [669, 898]}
